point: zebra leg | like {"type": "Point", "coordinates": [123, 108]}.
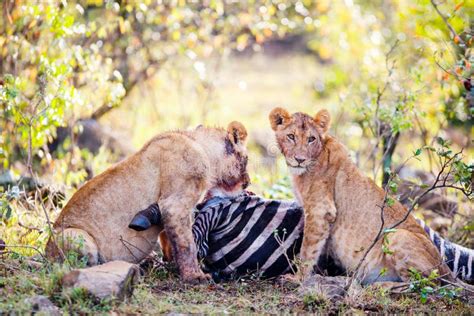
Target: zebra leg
{"type": "Point", "coordinates": [146, 218]}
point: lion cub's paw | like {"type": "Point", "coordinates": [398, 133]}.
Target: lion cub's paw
{"type": "Point", "coordinates": [195, 277]}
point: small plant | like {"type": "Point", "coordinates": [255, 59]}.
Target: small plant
{"type": "Point", "coordinates": [81, 300]}
{"type": "Point", "coordinates": [313, 301]}
{"type": "Point", "coordinates": [427, 286]}
{"type": "Point", "coordinates": [386, 242]}
{"type": "Point", "coordinates": [6, 197]}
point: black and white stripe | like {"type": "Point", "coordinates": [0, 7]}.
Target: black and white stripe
{"type": "Point", "coordinates": [252, 235]}
{"type": "Point", "coordinates": [248, 234]}
{"type": "Point", "coordinates": [235, 237]}
{"type": "Point", "coordinates": [458, 258]}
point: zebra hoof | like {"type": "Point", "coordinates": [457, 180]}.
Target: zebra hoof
{"type": "Point", "coordinates": [140, 223]}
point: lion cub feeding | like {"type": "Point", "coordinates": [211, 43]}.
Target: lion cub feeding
{"type": "Point", "coordinates": [175, 169]}
{"type": "Point", "coordinates": [342, 206]}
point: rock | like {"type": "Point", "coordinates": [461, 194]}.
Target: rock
{"type": "Point", "coordinates": [331, 288]}
{"type": "Point", "coordinates": [114, 279]}
{"type": "Point", "coordinates": [42, 304]}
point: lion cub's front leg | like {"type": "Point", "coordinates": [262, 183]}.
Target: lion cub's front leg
{"type": "Point", "coordinates": [318, 219]}
{"type": "Point", "coordinates": [176, 210]}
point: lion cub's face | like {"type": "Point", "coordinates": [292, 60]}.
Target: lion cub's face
{"type": "Point", "coordinates": [232, 176]}
{"type": "Point", "coordinates": [300, 137]}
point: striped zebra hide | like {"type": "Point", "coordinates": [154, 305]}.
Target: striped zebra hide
{"type": "Point", "coordinates": [252, 236]}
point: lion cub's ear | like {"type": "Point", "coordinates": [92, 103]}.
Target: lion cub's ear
{"type": "Point", "coordinates": [323, 120]}
{"type": "Point", "coordinates": [237, 131]}
{"type": "Point", "coordinates": [279, 116]}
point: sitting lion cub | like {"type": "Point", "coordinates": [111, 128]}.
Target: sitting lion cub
{"type": "Point", "coordinates": [174, 169]}
{"type": "Point", "coordinates": [342, 206]}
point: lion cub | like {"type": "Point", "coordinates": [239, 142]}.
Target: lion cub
{"type": "Point", "coordinates": [175, 169]}
{"type": "Point", "coordinates": [342, 206]}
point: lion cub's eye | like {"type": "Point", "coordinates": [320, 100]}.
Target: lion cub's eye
{"type": "Point", "coordinates": [291, 137]}
{"type": "Point", "coordinates": [311, 139]}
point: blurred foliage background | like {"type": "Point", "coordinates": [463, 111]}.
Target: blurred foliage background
{"type": "Point", "coordinates": [85, 83]}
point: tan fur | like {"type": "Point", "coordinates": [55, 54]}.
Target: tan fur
{"type": "Point", "coordinates": [175, 169]}
{"type": "Point", "coordinates": [342, 206]}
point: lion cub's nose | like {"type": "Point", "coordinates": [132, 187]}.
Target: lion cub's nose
{"type": "Point", "coordinates": [300, 160]}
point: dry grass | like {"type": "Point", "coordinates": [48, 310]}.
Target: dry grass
{"type": "Point", "coordinates": [159, 291]}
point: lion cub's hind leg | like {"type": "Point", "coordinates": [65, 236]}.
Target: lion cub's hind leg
{"type": "Point", "coordinates": [72, 240]}
{"type": "Point", "coordinates": [411, 250]}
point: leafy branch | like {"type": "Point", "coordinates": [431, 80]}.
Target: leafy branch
{"type": "Point", "coordinates": [454, 174]}
{"type": "Point", "coordinates": [455, 35]}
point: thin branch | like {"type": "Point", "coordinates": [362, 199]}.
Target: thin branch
{"type": "Point", "coordinates": [381, 228]}
{"type": "Point", "coordinates": [51, 231]}
{"type": "Point", "coordinates": [374, 242]}
{"type": "Point", "coordinates": [449, 72]}
{"type": "Point", "coordinates": [451, 29]}
{"type": "Point", "coordinates": [447, 162]}
{"type": "Point", "coordinates": [458, 284]}
{"type": "Point", "coordinates": [29, 227]}
{"type": "Point", "coordinates": [27, 247]}
{"type": "Point", "coordinates": [148, 71]}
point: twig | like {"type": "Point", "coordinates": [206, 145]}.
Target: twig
{"type": "Point", "coordinates": [126, 243]}
{"type": "Point", "coordinates": [27, 247]}
{"type": "Point", "coordinates": [29, 227]}
{"type": "Point", "coordinates": [372, 245]}
{"type": "Point", "coordinates": [451, 29]}
{"type": "Point", "coordinates": [434, 186]}
{"type": "Point", "coordinates": [280, 242]}
{"type": "Point", "coordinates": [51, 231]}
{"type": "Point", "coordinates": [144, 74]}
{"type": "Point", "coordinates": [450, 72]}
{"type": "Point", "coordinates": [458, 284]}
{"type": "Point", "coordinates": [377, 128]}
{"type": "Point", "coordinates": [440, 277]}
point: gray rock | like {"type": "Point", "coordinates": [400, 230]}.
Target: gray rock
{"type": "Point", "coordinates": [114, 279]}
{"type": "Point", "coordinates": [42, 304]}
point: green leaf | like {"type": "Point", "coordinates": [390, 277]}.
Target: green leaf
{"type": "Point", "coordinates": [8, 213]}
{"type": "Point", "coordinates": [440, 141]}
{"type": "Point", "coordinates": [11, 93]}
{"type": "Point", "coordinates": [393, 187]}
{"type": "Point", "coordinates": [423, 298]}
